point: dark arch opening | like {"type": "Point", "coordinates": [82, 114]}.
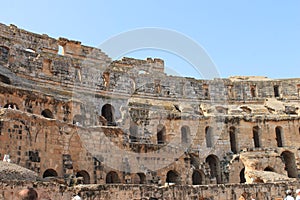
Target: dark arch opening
{"type": "Point", "coordinates": [47, 113]}
{"type": "Point", "coordinates": [4, 51]}
{"type": "Point", "coordinates": [161, 134]}
{"type": "Point", "coordinates": [242, 176]}
{"type": "Point", "coordinates": [108, 113]}
{"type": "Point", "coordinates": [50, 173]}
{"type": "Point", "coordinates": [139, 178]}
{"type": "Point", "coordinates": [112, 177]}
{"type": "Point", "coordinates": [290, 164]}
{"type": "Point", "coordinates": [209, 136]}
{"type": "Point", "coordinates": [85, 175]}
{"type": "Point", "coordinates": [256, 136]}
{"type": "Point", "coordinates": [133, 130]}
{"type": "Point", "coordinates": [185, 135]}
{"type": "Point", "coordinates": [197, 177]}
{"type": "Point", "coordinates": [214, 165]}
{"type": "Point", "coordinates": [279, 136]}
{"type": "Point", "coordinates": [173, 177]}
{"type": "Point", "coordinates": [233, 140]}
{"type": "Point", "coordinates": [269, 169]}
{"type": "Point", "coordinates": [276, 91]}
{"type": "Point", "coordinates": [11, 106]}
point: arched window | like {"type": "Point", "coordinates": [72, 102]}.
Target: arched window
{"type": "Point", "coordinates": [108, 113]}
{"type": "Point", "coordinates": [161, 134]}
{"type": "Point", "coordinates": [112, 177]}
{"type": "Point", "coordinates": [4, 51]}
{"type": "Point", "coordinates": [198, 177]}
{"type": "Point", "coordinates": [256, 136]}
{"type": "Point", "coordinates": [139, 178]}
{"type": "Point", "coordinates": [85, 176]}
{"type": "Point", "coordinates": [173, 177]}
{"type": "Point", "coordinates": [279, 136]}
{"type": "Point", "coordinates": [242, 176]}
{"type": "Point", "coordinates": [47, 113]}
{"type": "Point", "coordinates": [233, 139]}
{"type": "Point", "coordinates": [11, 106]}
{"type": "Point", "coordinates": [50, 173]}
{"type": "Point", "coordinates": [209, 136]}
{"type": "Point", "coordinates": [214, 165]}
{"type": "Point", "coordinates": [185, 135]}
{"type": "Point", "coordinates": [133, 130]}
{"type": "Point", "coordinates": [290, 164]}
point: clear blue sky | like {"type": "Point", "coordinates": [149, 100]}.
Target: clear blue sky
{"type": "Point", "coordinates": [253, 37]}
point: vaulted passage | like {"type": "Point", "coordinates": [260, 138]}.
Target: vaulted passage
{"type": "Point", "coordinates": [108, 112]}
{"type": "Point", "coordinates": [161, 134]}
{"type": "Point", "coordinates": [47, 113]}
{"type": "Point", "coordinates": [269, 169]}
{"type": "Point", "coordinates": [256, 136]}
{"type": "Point", "coordinates": [242, 176]}
{"type": "Point", "coordinates": [209, 136]}
{"type": "Point", "coordinates": [214, 165]}
{"type": "Point", "coordinates": [85, 175]}
{"type": "Point", "coordinates": [279, 136]}
{"type": "Point", "coordinates": [290, 164]}
{"type": "Point", "coordinates": [233, 140]}
{"type": "Point", "coordinates": [50, 173]}
{"type": "Point", "coordinates": [173, 177]}
{"type": "Point", "coordinates": [139, 178]}
{"type": "Point", "coordinates": [198, 177]}
{"type": "Point", "coordinates": [112, 177]}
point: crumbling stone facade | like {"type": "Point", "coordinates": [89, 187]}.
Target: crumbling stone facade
{"type": "Point", "coordinates": [68, 109]}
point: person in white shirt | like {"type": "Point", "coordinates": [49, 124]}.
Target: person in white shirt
{"type": "Point", "coordinates": [289, 195]}
{"type": "Point", "coordinates": [298, 194]}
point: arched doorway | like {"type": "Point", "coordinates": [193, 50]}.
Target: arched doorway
{"type": "Point", "coordinates": [233, 139]}
{"type": "Point", "coordinates": [85, 175]}
{"type": "Point", "coordinates": [139, 178]}
{"type": "Point", "coordinates": [161, 134]}
{"type": "Point", "coordinates": [256, 136]}
{"type": "Point", "coordinates": [209, 136]}
{"type": "Point", "coordinates": [112, 177]}
{"type": "Point", "coordinates": [197, 177]}
{"type": "Point", "coordinates": [47, 113]}
{"type": "Point", "coordinates": [185, 135]}
{"type": "Point", "coordinates": [242, 176]}
{"type": "Point", "coordinates": [173, 177]}
{"type": "Point", "coordinates": [50, 173]}
{"type": "Point", "coordinates": [214, 165]}
{"type": "Point", "coordinates": [108, 113]}
{"type": "Point", "coordinates": [269, 169]}
{"type": "Point", "coordinates": [290, 164]}
{"type": "Point", "coordinates": [279, 136]}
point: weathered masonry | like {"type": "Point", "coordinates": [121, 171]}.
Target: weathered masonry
{"type": "Point", "coordinates": [69, 109]}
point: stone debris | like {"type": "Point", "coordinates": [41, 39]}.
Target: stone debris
{"type": "Point", "coordinates": [10, 171]}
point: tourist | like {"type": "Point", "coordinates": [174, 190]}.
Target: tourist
{"type": "Point", "coordinates": [289, 195]}
{"type": "Point", "coordinates": [28, 194]}
{"type": "Point", "coordinates": [298, 194]}
{"type": "Point", "coordinates": [76, 197]}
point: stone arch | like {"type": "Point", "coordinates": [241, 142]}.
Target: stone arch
{"type": "Point", "coordinates": [133, 130]}
{"type": "Point", "coordinates": [161, 134]}
{"type": "Point", "coordinates": [209, 136]}
{"type": "Point", "coordinates": [185, 135]}
{"type": "Point", "coordinates": [290, 164]}
{"type": "Point", "coordinates": [279, 136]}
{"type": "Point", "coordinates": [50, 173]}
{"type": "Point", "coordinates": [256, 136]}
{"type": "Point", "coordinates": [112, 177]}
{"type": "Point", "coordinates": [242, 176]}
{"type": "Point", "coordinates": [4, 52]}
{"type": "Point", "coordinates": [139, 178]}
{"type": "Point", "coordinates": [47, 113]}
{"type": "Point", "coordinates": [269, 169]}
{"type": "Point", "coordinates": [108, 112]}
{"type": "Point", "coordinates": [233, 139]}
{"type": "Point", "coordinates": [173, 177]}
{"type": "Point", "coordinates": [11, 105]}
{"type": "Point", "coordinates": [78, 120]}
{"type": "Point", "coordinates": [198, 177]}
{"type": "Point", "coordinates": [214, 166]}
{"type": "Point", "coordinates": [85, 175]}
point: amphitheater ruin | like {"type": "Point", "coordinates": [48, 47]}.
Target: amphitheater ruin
{"type": "Point", "coordinates": [130, 131]}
